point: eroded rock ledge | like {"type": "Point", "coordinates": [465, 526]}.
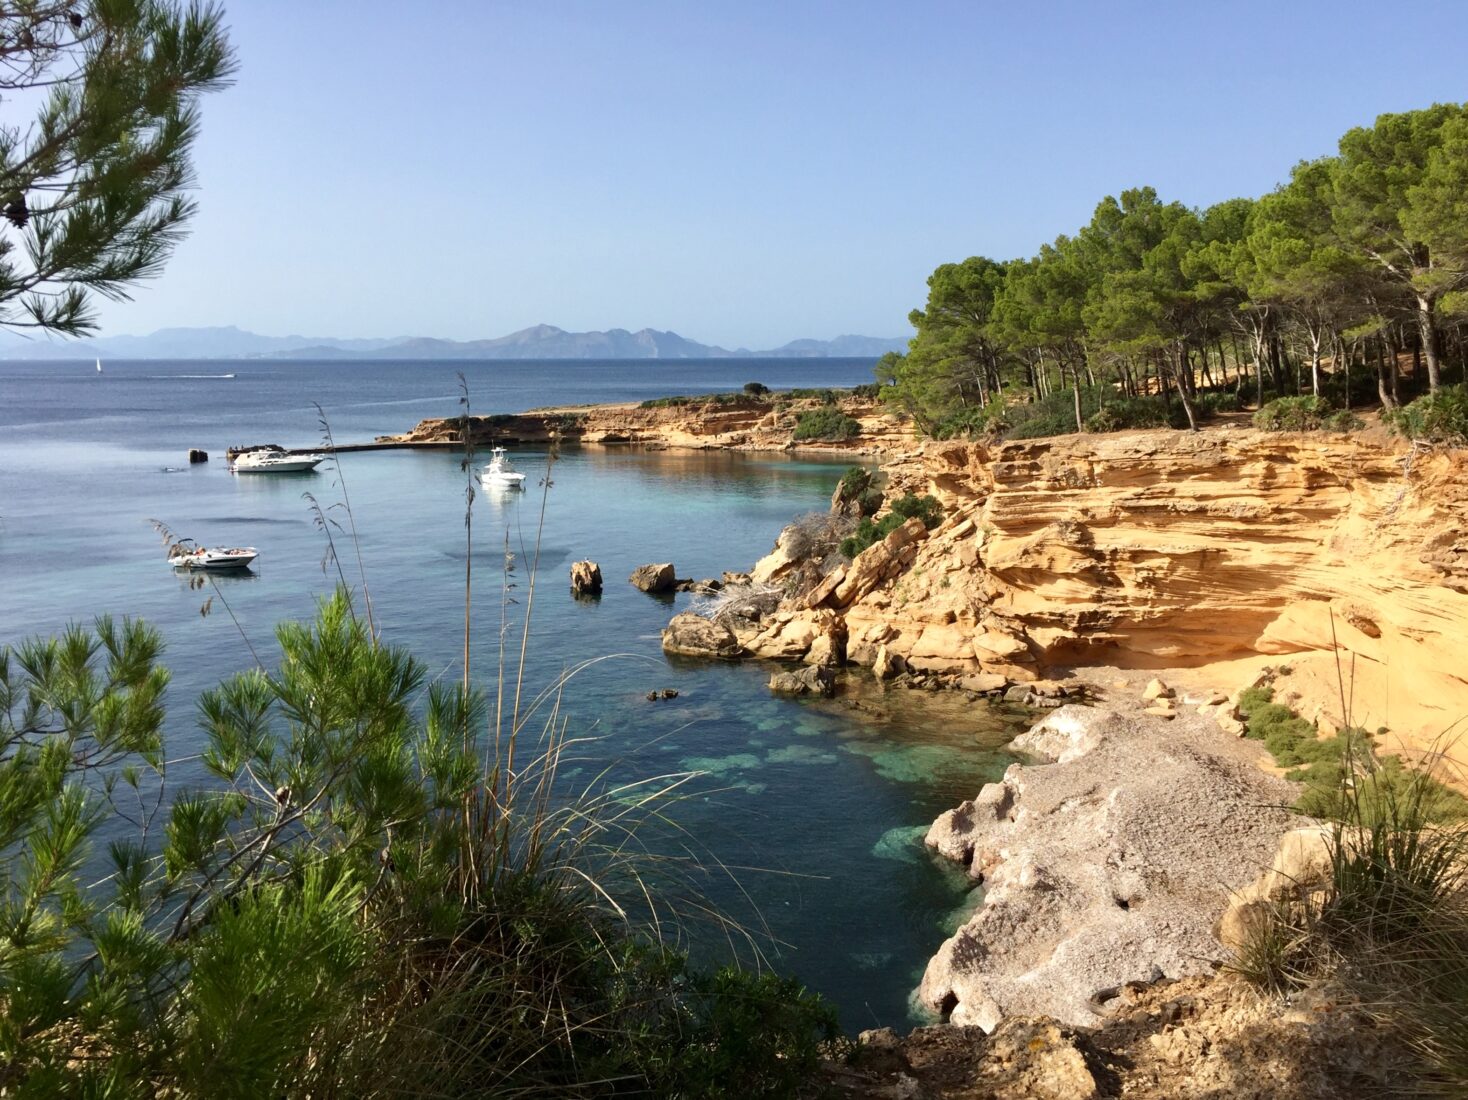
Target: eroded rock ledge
{"type": "Point", "coordinates": [1165, 550]}
{"type": "Point", "coordinates": [1107, 865]}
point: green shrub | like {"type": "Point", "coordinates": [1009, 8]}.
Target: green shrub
{"type": "Point", "coordinates": [828, 424]}
{"type": "Point", "coordinates": [1343, 420]}
{"type": "Point", "coordinates": [1123, 413]}
{"type": "Point", "coordinates": [698, 399]}
{"type": "Point", "coordinates": [1293, 414]}
{"type": "Point", "coordinates": [906, 507]}
{"type": "Point", "coordinates": [825, 396]}
{"type": "Point", "coordinates": [756, 389]}
{"type": "Point", "coordinates": [853, 481]}
{"type": "Point", "coordinates": [1440, 417]}
{"type": "Point", "coordinates": [1220, 401]}
{"type": "Point", "coordinates": [972, 423]}
{"type": "Point", "coordinates": [869, 390]}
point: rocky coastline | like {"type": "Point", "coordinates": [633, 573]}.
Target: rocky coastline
{"type": "Point", "coordinates": [1075, 575]}
{"type": "Point", "coordinates": [1127, 587]}
{"type": "Point", "coordinates": [734, 422]}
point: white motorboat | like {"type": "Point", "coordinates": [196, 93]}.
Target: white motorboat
{"type": "Point", "coordinates": [275, 462]}
{"type": "Point", "coordinates": [184, 556]}
{"type": "Point", "coordinates": [500, 473]}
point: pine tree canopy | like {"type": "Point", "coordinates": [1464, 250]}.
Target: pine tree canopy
{"type": "Point", "coordinates": [98, 116]}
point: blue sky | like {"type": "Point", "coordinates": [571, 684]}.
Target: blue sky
{"type": "Point", "coordinates": [742, 173]}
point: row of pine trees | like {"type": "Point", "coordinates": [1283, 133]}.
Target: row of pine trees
{"type": "Point", "coordinates": [1358, 263]}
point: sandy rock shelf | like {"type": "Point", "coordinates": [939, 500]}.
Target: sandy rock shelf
{"type": "Point", "coordinates": [1108, 866]}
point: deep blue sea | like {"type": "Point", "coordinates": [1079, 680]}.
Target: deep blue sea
{"type": "Point", "coordinates": [816, 808]}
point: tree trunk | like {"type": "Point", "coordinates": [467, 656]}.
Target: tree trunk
{"type": "Point", "coordinates": [1427, 330]}
{"type": "Point", "coordinates": [1076, 391]}
{"type": "Point", "coordinates": [1183, 364]}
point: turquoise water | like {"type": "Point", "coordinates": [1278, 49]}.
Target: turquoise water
{"type": "Point", "coordinates": [815, 808]}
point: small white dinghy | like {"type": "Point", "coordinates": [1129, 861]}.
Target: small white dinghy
{"type": "Point", "coordinates": [275, 462]}
{"type": "Point", "coordinates": [500, 473]}
{"type": "Point", "coordinates": [215, 557]}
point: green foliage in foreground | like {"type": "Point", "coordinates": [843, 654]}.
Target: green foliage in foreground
{"type": "Point", "coordinates": [827, 423]}
{"type": "Point", "coordinates": [364, 899]}
{"type": "Point", "coordinates": [1440, 417]}
{"type": "Point", "coordinates": [904, 508]}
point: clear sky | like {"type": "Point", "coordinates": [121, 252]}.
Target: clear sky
{"type": "Point", "coordinates": [742, 173]}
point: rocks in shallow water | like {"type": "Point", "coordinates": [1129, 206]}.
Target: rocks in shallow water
{"type": "Point", "coordinates": [811, 680]}
{"type": "Point", "coordinates": [658, 577]}
{"type": "Point", "coordinates": [585, 578]}
{"type": "Point", "coordinates": [887, 664]}
{"type": "Point", "coordinates": [692, 635]}
{"type": "Point", "coordinates": [196, 455]}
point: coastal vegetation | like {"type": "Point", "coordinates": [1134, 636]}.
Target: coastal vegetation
{"type": "Point", "coordinates": [1353, 276]}
{"type": "Point", "coordinates": [365, 895]}
{"type": "Point", "coordinates": [826, 424]}
{"type": "Point", "coordinates": [906, 507]}
{"type": "Point", "coordinates": [1388, 916]}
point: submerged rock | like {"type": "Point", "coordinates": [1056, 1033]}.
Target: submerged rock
{"type": "Point", "coordinates": [811, 680]}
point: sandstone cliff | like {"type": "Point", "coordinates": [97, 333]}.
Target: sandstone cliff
{"type": "Point", "coordinates": [1218, 551]}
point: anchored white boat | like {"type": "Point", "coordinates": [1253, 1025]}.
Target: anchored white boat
{"type": "Point", "coordinates": [275, 462]}
{"type": "Point", "coordinates": [500, 473]}
{"type": "Point", "coordinates": [217, 557]}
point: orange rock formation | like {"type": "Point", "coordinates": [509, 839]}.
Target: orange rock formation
{"type": "Point", "coordinates": [1217, 551]}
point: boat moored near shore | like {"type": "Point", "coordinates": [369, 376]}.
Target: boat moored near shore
{"type": "Point", "coordinates": [202, 557]}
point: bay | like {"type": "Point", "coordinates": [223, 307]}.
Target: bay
{"type": "Point", "coordinates": [807, 816]}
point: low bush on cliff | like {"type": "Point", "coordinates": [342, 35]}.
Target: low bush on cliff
{"type": "Point", "coordinates": [679, 402]}
{"type": "Point", "coordinates": [1293, 414]}
{"type": "Point", "coordinates": [826, 424]}
{"type": "Point", "coordinates": [1103, 409]}
{"type": "Point", "coordinates": [906, 507]}
{"type": "Point", "coordinates": [1327, 766]}
{"type": "Point", "coordinates": [1440, 417]}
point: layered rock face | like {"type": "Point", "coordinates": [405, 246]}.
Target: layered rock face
{"type": "Point", "coordinates": [1175, 549]}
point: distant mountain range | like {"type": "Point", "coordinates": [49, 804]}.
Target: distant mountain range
{"type": "Point", "coordinates": [538, 342]}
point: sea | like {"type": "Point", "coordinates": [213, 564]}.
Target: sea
{"type": "Point", "coordinates": [805, 816]}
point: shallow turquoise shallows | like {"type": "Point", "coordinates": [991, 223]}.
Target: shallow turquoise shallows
{"type": "Point", "coordinates": [817, 809]}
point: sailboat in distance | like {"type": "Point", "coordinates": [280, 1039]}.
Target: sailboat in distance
{"type": "Point", "coordinates": [99, 366]}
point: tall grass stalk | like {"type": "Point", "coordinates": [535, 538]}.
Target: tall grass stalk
{"type": "Point", "coordinates": [341, 480]}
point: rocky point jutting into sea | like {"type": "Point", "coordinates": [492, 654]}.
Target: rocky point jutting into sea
{"type": "Point", "coordinates": [1138, 582]}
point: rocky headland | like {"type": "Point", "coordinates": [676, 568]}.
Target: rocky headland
{"type": "Point", "coordinates": [1121, 860]}
{"type": "Point", "coordinates": [723, 422]}
{"type": "Point", "coordinates": [1211, 555]}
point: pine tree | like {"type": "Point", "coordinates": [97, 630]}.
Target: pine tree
{"type": "Point", "coordinates": [93, 184]}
